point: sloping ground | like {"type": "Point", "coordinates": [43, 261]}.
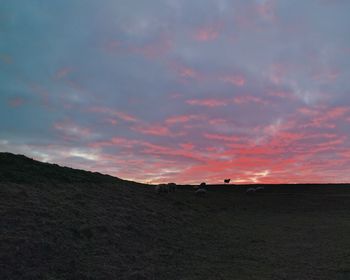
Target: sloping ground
{"type": "Point", "coordinates": [69, 224]}
{"type": "Point", "coordinates": [60, 223]}
{"type": "Point", "coordinates": [21, 169]}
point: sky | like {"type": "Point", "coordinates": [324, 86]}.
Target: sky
{"type": "Point", "coordinates": [179, 91]}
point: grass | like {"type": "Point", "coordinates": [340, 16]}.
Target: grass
{"type": "Point", "coordinates": [59, 223]}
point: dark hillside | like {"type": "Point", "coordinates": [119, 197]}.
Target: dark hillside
{"type": "Point", "coordinates": [60, 223]}
{"type": "Point", "coordinates": [21, 169]}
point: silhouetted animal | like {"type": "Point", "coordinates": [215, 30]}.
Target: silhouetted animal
{"type": "Point", "coordinates": [259, 189]}
{"type": "Point", "coordinates": [201, 191]}
{"type": "Point", "coordinates": [165, 188]}
{"type": "Point", "coordinates": [162, 188]}
{"type": "Point", "coordinates": [226, 181]}
{"type": "Point", "coordinates": [250, 191]}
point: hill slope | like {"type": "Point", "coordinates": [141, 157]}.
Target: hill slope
{"type": "Point", "coordinates": [61, 223]}
{"type": "Point", "coordinates": [21, 169]}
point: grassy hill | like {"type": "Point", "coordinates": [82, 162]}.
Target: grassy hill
{"type": "Point", "coordinates": [61, 223]}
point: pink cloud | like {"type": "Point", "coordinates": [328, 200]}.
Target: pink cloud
{"type": "Point", "coordinates": [162, 150]}
{"type": "Point", "coordinates": [327, 75]}
{"type": "Point", "coordinates": [111, 121]}
{"type": "Point", "coordinates": [187, 72]}
{"type": "Point", "coordinates": [282, 94]}
{"type": "Point", "coordinates": [154, 129]}
{"type": "Point", "coordinates": [224, 138]}
{"type": "Point", "coordinates": [267, 10]}
{"type": "Point", "coordinates": [250, 14]}
{"type": "Point", "coordinates": [181, 119]}
{"type": "Point", "coordinates": [119, 114]}
{"type": "Point", "coordinates": [237, 80]}
{"type": "Point", "coordinates": [208, 102]}
{"type": "Point", "coordinates": [116, 141]}
{"type": "Point", "coordinates": [187, 146]}
{"type": "Point", "coordinates": [184, 72]}
{"type": "Point", "coordinates": [249, 99]}
{"type": "Point", "coordinates": [324, 117]}
{"type": "Point", "coordinates": [217, 121]}
{"type": "Point", "coordinates": [208, 33]}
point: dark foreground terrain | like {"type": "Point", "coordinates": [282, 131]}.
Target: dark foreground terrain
{"type": "Point", "coordinates": [60, 223]}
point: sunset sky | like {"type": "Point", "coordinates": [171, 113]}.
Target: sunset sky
{"type": "Point", "coordinates": [179, 90]}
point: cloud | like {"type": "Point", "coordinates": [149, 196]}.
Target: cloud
{"type": "Point", "coordinates": [184, 91]}
{"type": "Point", "coordinates": [208, 33]}
{"type": "Point", "coordinates": [207, 102]}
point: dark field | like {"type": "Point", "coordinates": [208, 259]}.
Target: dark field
{"type": "Point", "coordinates": [58, 223]}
